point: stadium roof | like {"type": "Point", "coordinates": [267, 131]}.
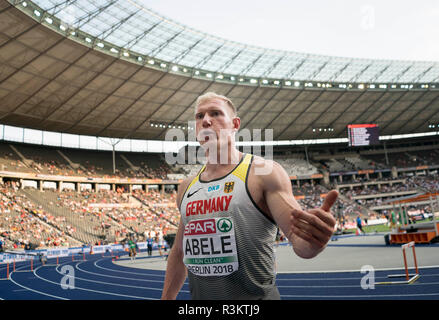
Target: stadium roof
{"type": "Point", "coordinates": [117, 69]}
{"type": "Point", "coordinates": [132, 26]}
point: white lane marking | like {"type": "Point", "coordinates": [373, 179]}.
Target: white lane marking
{"type": "Point", "coordinates": [110, 283]}
{"type": "Point", "coordinates": [354, 286]}
{"type": "Point", "coordinates": [136, 273]}
{"type": "Point", "coordinates": [39, 292]}
{"type": "Point", "coordinates": [106, 275]}
{"type": "Point", "coordinates": [121, 278]}
{"type": "Point", "coordinates": [346, 271]}
{"type": "Point", "coordinates": [353, 278]}
{"type": "Point", "coordinates": [96, 291]}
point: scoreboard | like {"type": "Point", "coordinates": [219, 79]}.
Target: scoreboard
{"type": "Point", "coordinates": [363, 134]}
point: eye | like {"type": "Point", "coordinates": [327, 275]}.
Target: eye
{"type": "Point", "coordinates": [199, 116]}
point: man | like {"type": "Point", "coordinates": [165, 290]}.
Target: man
{"type": "Point", "coordinates": [360, 224]}
{"type": "Point", "coordinates": [132, 248]}
{"type": "Point", "coordinates": [230, 213]}
{"type": "Point", "coordinates": [149, 243]}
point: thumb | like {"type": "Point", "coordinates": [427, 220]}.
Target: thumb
{"type": "Point", "coordinates": [330, 199]}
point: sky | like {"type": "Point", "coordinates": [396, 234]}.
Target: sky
{"type": "Point", "coordinates": [385, 29]}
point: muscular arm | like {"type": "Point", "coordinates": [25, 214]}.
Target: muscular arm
{"type": "Point", "coordinates": [176, 271]}
{"type": "Point", "coordinates": [308, 231]}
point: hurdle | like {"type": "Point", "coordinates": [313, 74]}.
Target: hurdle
{"type": "Point", "coordinates": [409, 278]}
{"type": "Point", "coordinates": [7, 272]}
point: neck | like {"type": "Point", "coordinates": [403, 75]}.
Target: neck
{"type": "Point", "coordinates": [223, 158]}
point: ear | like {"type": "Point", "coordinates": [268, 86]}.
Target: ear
{"type": "Point", "coordinates": [236, 123]}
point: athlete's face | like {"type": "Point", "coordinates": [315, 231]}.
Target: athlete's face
{"type": "Point", "coordinates": [215, 122]}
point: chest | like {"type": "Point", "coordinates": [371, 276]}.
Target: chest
{"type": "Point", "coordinates": [212, 199]}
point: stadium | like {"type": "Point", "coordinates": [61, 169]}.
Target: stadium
{"type": "Point", "coordinates": [92, 97]}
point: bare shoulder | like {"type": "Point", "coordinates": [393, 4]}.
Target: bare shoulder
{"type": "Point", "coordinates": [268, 171]}
{"type": "Point", "coordinates": [185, 182]}
{"type": "Point", "coordinates": [182, 188]}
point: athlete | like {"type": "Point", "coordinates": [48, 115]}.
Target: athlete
{"type": "Point", "coordinates": [230, 213]}
{"type": "Point", "coordinates": [132, 248]}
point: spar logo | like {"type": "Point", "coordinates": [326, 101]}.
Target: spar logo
{"type": "Point", "coordinates": [224, 225]}
{"type": "Point", "coordinates": [199, 227]}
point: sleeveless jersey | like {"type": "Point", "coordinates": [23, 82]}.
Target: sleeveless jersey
{"type": "Point", "coordinates": [228, 241]}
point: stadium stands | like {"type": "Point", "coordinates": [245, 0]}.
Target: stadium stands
{"type": "Point", "coordinates": [296, 166]}
{"type": "Point", "coordinates": [24, 223]}
{"type": "Point", "coordinates": [75, 162]}
{"type": "Point", "coordinates": [47, 215]}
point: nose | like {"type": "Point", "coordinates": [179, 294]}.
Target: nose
{"type": "Point", "coordinates": [207, 121]}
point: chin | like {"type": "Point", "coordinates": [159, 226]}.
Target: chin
{"type": "Point", "coordinates": [209, 145]}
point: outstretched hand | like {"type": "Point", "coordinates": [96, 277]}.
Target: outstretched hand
{"type": "Point", "coordinates": [315, 226]}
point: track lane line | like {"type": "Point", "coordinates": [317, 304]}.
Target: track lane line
{"type": "Point", "coordinates": [36, 291]}
{"type": "Point", "coordinates": [106, 275]}
{"type": "Point", "coordinates": [136, 273]}
{"type": "Point", "coordinates": [113, 284]}
{"type": "Point", "coordinates": [95, 291]}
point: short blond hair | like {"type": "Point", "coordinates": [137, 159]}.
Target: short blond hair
{"type": "Point", "coordinates": [212, 95]}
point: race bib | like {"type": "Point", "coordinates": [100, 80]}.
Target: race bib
{"type": "Point", "coordinates": [210, 247]}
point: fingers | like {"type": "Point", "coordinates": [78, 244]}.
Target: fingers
{"type": "Point", "coordinates": [307, 237]}
{"type": "Point", "coordinates": [316, 226]}
{"type": "Point", "coordinates": [305, 229]}
{"type": "Point", "coordinates": [330, 199]}
{"type": "Point", "coordinates": [317, 218]}
{"type": "Point", "coordinates": [325, 216]}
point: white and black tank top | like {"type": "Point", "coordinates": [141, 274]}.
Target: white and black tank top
{"type": "Point", "coordinates": [228, 240]}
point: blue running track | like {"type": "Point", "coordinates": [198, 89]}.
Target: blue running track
{"type": "Point", "coordinates": [98, 278]}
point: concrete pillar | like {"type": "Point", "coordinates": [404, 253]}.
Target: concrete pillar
{"type": "Point", "coordinates": [326, 177]}
{"type": "Point", "coordinates": [394, 173]}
